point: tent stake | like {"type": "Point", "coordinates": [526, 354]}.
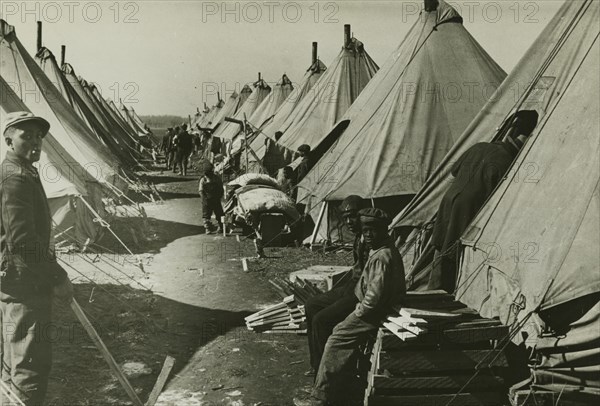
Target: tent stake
{"type": "Point", "coordinates": [105, 353]}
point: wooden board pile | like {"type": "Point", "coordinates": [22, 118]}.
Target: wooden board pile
{"type": "Point", "coordinates": [287, 316]}
{"type": "Point", "coordinates": [435, 350]}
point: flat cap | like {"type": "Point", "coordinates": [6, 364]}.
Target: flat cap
{"type": "Point", "coordinates": [374, 215]}
{"type": "Point", "coordinates": [16, 117]}
{"type": "Point", "coordinates": [352, 203]}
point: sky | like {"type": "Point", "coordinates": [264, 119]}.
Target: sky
{"type": "Point", "coordinates": [169, 57]}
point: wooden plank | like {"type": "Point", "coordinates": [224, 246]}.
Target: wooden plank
{"type": "Point", "coordinates": [425, 314]}
{"type": "Point", "coordinates": [429, 383]}
{"type": "Point", "coordinates": [105, 353]}
{"type": "Point", "coordinates": [477, 334]}
{"type": "Point", "coordinates": [463, 399]}
{"type": "Point", "coordinates": [161, 380]}
{"type": "Point", "coordinates": [402, 324]}
{"type": "Point", "coordinates": [418, 361]}
{"type": "Point", "coordinates": [402, 334]}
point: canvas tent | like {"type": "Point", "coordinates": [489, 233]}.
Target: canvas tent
{"type": "Point", "coordinates": [531, 256]}
{"type": "Point", "coordinates": [103, 138]}
{"type": "Point", "coordinates": [40, 95]}
{"type": "Point", "coordinates": [228, 130]}
{"type": "Point", "coordinates": [405, 120]}
{"type": "Point", "coordinates": [324, 105]}
{"type": "Point", "coordinates": [533, 249]}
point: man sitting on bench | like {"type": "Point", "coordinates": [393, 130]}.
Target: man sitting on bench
{"type": "Point", "coordinates": [380, 287]}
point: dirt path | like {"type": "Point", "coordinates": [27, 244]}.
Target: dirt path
{"type": "Point", "coordinates": [193, 311]}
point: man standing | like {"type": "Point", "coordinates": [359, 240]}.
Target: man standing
{"type": "Point", "coordinates": [165, 146]}
{"type": "Point", "coordinates": [210, 188]}
{"type": "Point", "coordinates": [173, 148]}
{"type": "Point", "coordinates": [379, 288]}
{"type": "Point", "coordinates": [304, 165]}
{"type": "Point", "coordinates": [325, 311]}
{"type": "Point", "coordinates": [476, 174]}
{"type": "Point", "coordinates": [30, 275]}
{"type": "Point", "coordinates": [185, 146]}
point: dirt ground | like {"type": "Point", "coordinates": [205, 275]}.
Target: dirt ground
{"type": "Point", "coordinates": [187, 299]}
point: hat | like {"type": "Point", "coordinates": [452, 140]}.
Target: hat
{"type": "Point", "coordinates": [207, 167]}
{"type": "Point", "coordinates": [352, 203]}
{"type": "Point", "coordinates": [373, 215]}
{"type": "Point", "coordinates": [304, 148]}
{"type": "Point", "coordinates": [17, 117]}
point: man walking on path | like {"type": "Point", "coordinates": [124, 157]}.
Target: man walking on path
{"type": "Point", "coordinates": [185, 145]}
{"type": "Point", "coordinates": [210, 188]}
{"type": "Point", "coordinates": [30, 275]}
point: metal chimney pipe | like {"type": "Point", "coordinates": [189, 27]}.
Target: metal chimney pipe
{"type": "Point", "coordinates": [39, 35]}
{"type": "Point", "coordinates": [63, 53]}
{"type": "Point", "coordinates": [431, 5]}
{"type": "Point", "coordinates": [346, 35]}
{"type": "Point", "coordinates": [314, 52]}
{"type": "Point", "coordinates": [218, 97]}
{"type": "Point", "coordinates": [259, 76]}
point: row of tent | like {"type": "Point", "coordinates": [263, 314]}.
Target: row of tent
{"type": "Point", "coordinates": [93, 147]}
{"type": "Point", "coordinates": [392, 134]}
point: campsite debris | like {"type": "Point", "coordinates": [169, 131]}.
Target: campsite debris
{"type": "Point", "coordinates": [161, 381]}
{"type": "Point", "coordinates": [234, 393]}
{"type": "Point", "coordinates": [287, 316]}
{"type": "Point", "coordinates": [218, 387]}
{"type": "Point", "coordinates": [436, 350]}
{"type": "Point", "coordinates": [135, 369]}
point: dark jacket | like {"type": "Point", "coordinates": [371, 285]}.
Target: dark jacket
{"type": "Point", "coordinates": [28, 264]}
{"type": "Point", "coordinates": [211, 187]}
{"type": "Point", "coordinates": [185, 142]}
{"type": "Point", "coordinates": [476, 174]}
{"type": "Point", "coordinates": [381, 284]}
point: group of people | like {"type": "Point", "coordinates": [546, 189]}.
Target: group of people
{"type": "Point", "coordinates": [178, 145]}
{"type": "Point", "coordinates": [338, 321]}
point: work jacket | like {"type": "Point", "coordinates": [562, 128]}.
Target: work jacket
{"type": "Point", "coordinates": [28, 265]}
{"type": "Point", "coordinates": [381, 284]}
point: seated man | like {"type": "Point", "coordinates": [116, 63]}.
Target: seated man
{"type": "Point", "coordinates": [381, 286]}
{"type": "Point", "coordinates": [325, 311]}
{"type": "Point", "coordinates": [476, 174]}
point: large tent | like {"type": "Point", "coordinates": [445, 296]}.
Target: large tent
{"type": "Point", "coordinates": [123, 142]}
{"type": "Point", "coordinates": [406, 120]}
{"type": "Point", "coordinates": [313, 73]}
{"type": "Point", "coordinates": [531, 255]}
{"type": "Point", "coordinates": [40, 95]}
{"type": "Point", "coordinates": [228, 110]}
{"type": "Point", "coordinates": [328, 100]}
{"type": "Point", "coordinates": [77, 101]}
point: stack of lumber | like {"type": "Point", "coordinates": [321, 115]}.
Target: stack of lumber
{"type": "Point", "coordinates": [287, 316]}
{"type": "Point", "coordinates": [300, 289]}
{"type": "Point", "coordinates": [436, 351]}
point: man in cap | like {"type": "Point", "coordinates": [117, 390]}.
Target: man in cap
{"type": "Point", "coordinates": [165, 146]}
{"type": "Point", "coordinates": [325, 311]}
{"type": "Point", "coordinates": [30, 275]}
{"type": "Point", "coordinates": [476, 174]}
{"type": "Point", "coordinates": [304, 165]}
{"type": "Point", "coordinates": [380, 287]}
{"type": "Point", "coordinates": [210, 188]}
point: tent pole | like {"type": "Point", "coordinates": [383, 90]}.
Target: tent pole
{"type": "Point", "coordinates": [319, 220]}
{"type": "Point", "coordinates": [246, 137]}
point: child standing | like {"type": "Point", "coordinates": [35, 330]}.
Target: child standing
{"type": "Point", "coordinates": [211, 191]}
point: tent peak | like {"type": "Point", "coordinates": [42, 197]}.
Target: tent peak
{"type": "Point", "coordinates": [6, 29]}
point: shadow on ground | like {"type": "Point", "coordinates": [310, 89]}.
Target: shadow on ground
{"type": "Point", "coordinates": [143, 235]}
{"type": "Point", "coordinates": [137, 326]}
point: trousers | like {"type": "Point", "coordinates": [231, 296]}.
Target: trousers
{"type": "Point", "coordinates": [338, 366]}
{"type": "Point", "coordinates": [26, 347]}
{"type": "Point", "coordinates": [210, 206]}
{"type": "Point", "coordinates": [323, 313]}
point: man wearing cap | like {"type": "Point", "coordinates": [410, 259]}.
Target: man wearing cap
{"type": "Point", "coordinates": [185, 146]}
{"type": "Point", "coordinates": [165, 146]}
{"type": "Point", "coordinates": [379, 288]}
{"type": "Point", "coordinates": [30, 275]}
{"type": "Point", "coordinates": [476, 174]}
{"type": "Point", "coordinates": [325, 311]}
